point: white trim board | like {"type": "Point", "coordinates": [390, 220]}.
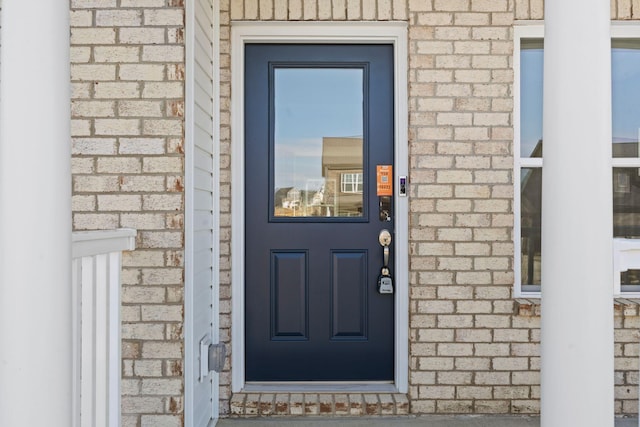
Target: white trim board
{"type": "Point", "coordinates": [394, 33]}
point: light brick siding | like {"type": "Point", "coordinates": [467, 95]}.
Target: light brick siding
{"type": "Point", "coordinates": [127, 76]}
{"type": "Point", "coordinates": [461, 214]}
{"type": "Point", "coordinates": [473, 349]}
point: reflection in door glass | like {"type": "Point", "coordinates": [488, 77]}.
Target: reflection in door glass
{"type": "Point", "coordinates": [318, 145]}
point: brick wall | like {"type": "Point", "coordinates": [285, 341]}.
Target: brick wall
{"type": "Point", "coordinates": [127, 77]}
{"type": "Point", "coordinates": [225, 200]}
{"type": "Point", "coordinates": [463, 355]}
{"type": "Point", "coordinates": [473, 348]}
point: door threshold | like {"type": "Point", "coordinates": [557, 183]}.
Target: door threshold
{"type": "Point", "coordinates": [320, 387]}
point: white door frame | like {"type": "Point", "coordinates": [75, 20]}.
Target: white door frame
{"type": "Point", "coordinates": [394, 33]}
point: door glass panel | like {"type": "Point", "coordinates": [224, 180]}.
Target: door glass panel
{"type": "Point", "coordinates": [318, 143]}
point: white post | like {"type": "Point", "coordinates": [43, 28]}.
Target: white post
{"type": "Point", "coordinates": [577, 297]}
{"type": "Point", "coordinates": [35, 215]}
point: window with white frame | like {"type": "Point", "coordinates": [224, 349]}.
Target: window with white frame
{"type": "Point", "coordinates": [528, 170]}
{"type": "Point", "coordinates": [351, 183]}
{"type": "Point", "coordinates": [625, 106]}
{"type": "Point", "coordinates": [625, 84]}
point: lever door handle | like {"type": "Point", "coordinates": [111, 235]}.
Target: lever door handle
{"type": "Point", "coordinates": [385, 240]}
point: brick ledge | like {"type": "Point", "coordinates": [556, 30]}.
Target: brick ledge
{"type": "Point", "coordinates": [530, 307]}
{"type": "Point", "coordinates": [310, 404]}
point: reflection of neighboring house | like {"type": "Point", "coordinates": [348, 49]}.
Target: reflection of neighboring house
{"type": "Point", "coordinates": [626, 192]}
{"type": "Point", "coordinates": [626, 205]}
{"type": "Point", "coordinates": [288, 197]}
{"type": "Point", "coordinates": [318, 197]}
{"type": "Point", "coordinates": [530, 218]}
{"type": "Point", "coordinates": [293, 196]}
{"type": "Point", "coordinates": [281, 196]}
{"type": "Point", "coordinates": [342, 171]}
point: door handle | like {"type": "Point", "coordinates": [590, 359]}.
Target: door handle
{"type": "Point", "coordinates": [385, 240]}
{"type": "Point", "coordinates": [385, 282]}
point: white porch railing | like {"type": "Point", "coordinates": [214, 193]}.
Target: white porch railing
{"type": "Point", "coordinates": [96, 265]}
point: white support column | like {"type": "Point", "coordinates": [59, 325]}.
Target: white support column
{"type": "Point", "coordinates": [577, 297]}
{"type": "Point", "coordinates": [35, 215]}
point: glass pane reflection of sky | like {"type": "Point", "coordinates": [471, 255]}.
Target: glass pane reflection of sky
{"type": "Point", "coordinates": [625, 88]}
{"type": "Point", "coordinates": [625, 76]}
{"type": "Point", "coordinates": [531, 65]}
{"type": "Point", "coordinates": [312, 103]}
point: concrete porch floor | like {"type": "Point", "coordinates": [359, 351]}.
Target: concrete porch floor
{"type": "Point", "coordinates": [422, 421]}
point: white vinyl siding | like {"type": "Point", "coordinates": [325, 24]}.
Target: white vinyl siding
{"type": "Point", "coordinates": [200, 209]}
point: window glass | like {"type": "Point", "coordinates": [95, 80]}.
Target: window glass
{"type": "Point", "coordinates": [318, 139]}
{"type": "Point", "coordinates": [625, 84]}
{"type": "Point", "coordinates": [531, 63]}
{"type": "Point", "coordinates": [531, 71]}
{"type": "Point", "coordinates": [626, 202]}
{"type": "Point", "coordinates": [625, 97]}
{"type": "Point", "coordinates": [530, 219]}
{"type": "Point", "coordinates": [625, 104]}
{"type": "Point", "coordinates": [630, 281]}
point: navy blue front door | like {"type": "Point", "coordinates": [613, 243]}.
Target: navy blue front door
{"type": "Point", "coordinates": [318, 127]}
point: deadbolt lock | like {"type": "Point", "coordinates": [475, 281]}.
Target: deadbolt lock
{"type": "Point", "coordinates": [384, 238]}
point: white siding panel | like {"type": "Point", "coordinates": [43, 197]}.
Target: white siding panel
{"type": "Point", "coordinates": [201, 119]}
{"type": "Point", "coordinates": [203, 99]}
{"type": "Point", "coordinates": [202, 221]}
{"type": "Point", "coordinates": [203, 294]}
{"type": "Point", "coordinates": [204, 16]}
{"type": "Point", "coordinates": [204, 257]}
{"type": "Point", "coordinates": [202, 183]}
{"type": "Point", "coordinates": [202, 241]}
{"type": "Point", "coordinates": [203, 75]}
{"type": "Point", "coordinates": [203, 199]}
{"type": "Point", "coordinates": [201, 137]}
{"type": "Point", "coordinates": [201, 207]}
{"type": "Point", "coordinates": [202, 160]}
{"type": "Point", "coordinates": [202, 54]}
